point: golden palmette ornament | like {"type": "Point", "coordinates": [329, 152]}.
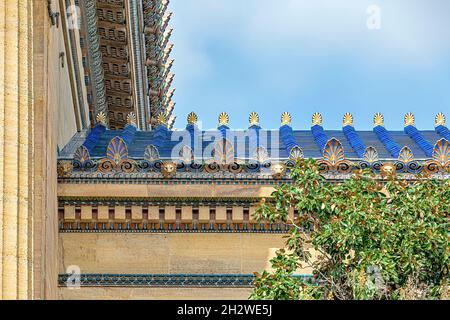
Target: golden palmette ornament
{"type": "Point", "coordinates": [131, 119]}
{"type": "Point", "coordinates": [316, 119]}
{"type": "Point", "coordinates": [101, 118]}
{"type": "Point", "coordinates": [286, 119]}
{"type": "Point", "coordinates": [440, 119]}
{"type": "Point", "coordinates": [409, 119]}
{"type": "Point", "coordinates": [224, 119]}
{"type": "Point", "coordinates": [192, 118]}
{"type": "Point", "coordinates": [370, 155]}
{"type": "Point", "coordinates": [406, 155]}
{"type": "Point", "coordinates": [161, 119]}
{"type": "Point", "coordinates": [348, 119]}
{"type": "Point", "coordinates": [378, 119]}
{"type": "Point", "coordinates": [253, 119]}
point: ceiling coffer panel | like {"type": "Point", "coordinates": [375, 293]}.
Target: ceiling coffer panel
{"type": "Point", "coordinates": [129, 46]}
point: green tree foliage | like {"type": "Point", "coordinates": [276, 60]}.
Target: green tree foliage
{"type": "Point", "coordinates": [375, 238]}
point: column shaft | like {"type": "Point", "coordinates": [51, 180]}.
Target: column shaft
{"type": "Point", "coordinates": [11, 151]}
{"type": "Point", "coordinates": [15, 147]}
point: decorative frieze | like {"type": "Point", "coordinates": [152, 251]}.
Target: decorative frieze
{"type": "Point", "coordinates": [149, 216]}
{"type": "Point", "coordinates": [165, 280]}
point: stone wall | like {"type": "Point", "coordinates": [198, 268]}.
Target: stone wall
{"type": "Point", "coordinates": [171, 253]}
{"type": "Point", "coordinates": [166, 253]}
{"type": "Point", "coordinates": [50, 84]}
{"type": "Point", "coordinates": [155, 293]}
{"type": "Point", "coordinates": [35, 91]}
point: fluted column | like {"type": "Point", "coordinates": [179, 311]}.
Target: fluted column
{"type": "Point", "coordinates": [2, 125]}
{"type": "Point", "coordinates": [25, 140]}
{"type": "Point", "coordinates": [15, 157]}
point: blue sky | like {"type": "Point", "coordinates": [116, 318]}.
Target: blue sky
{"type": "Point", "coordinates": [304, 56]}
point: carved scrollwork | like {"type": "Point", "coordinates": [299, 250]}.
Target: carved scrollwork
{"type": "Point", "coordinates": [441, 158]}
{"type": "Point", "coordinates": [334, 158]}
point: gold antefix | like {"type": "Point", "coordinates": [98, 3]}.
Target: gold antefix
{"type": "Point", "coordinates": [440, 119]}
{"type": "Point", "coordinates": [316, 119]}
{"type": "Point", "coordinates": [409, 119]}
{"type": "Point", "coordinates": [378, 119]}
{"type": "Point", "coordinates": [286, 119]}
{"type": "Point", "coordinates": [253, 119]}
{"type": "Point", "coordinates": [348, 119]}
{"type": "Point", "coordinates": [192, 118]}
{"type": "Point", "coordinates": [224, 119]}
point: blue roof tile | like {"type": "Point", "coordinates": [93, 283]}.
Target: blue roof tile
{"type": "Point", "coordinates": [274, 144]}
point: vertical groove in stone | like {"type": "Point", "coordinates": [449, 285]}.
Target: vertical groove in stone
{"type": "Point", "coordinates": [11, 150]}
{"type": "Point", "coordinates": [39, 64]}
{"type": "Point", "coordinates": [24, 102]}
{"type": "Point", "coordinates": [2, 126]}
{"type": "Point", "coordinates": [31, 189]}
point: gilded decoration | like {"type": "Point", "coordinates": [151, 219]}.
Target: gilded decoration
{"type": "Point", "coordinates": [261, 155]}
{"type": "Point", "coordinates": [117, 150]}
{"type": "Point", "coordinates": [278, 171]}
{"type": "Point", "coordinates": [388, 171]}
{"type": "Point", "coordinates": [440, 119]}
{"type": "Point", "coordinates": [186, 154]}
{"type": "Point", "coordinates": [223, 160]}
{"type": "Point", "coordinates": [192, 118]}
{"type": "Point", "coordinates": [296, 153]}
{"type": "Point", "coordinates": [224, 119]}
{"type": "Point", "coordinates": [64, 168]}
{"type": "Point", "coordinates": [286, 119]}
{"type": "Point", "coordinates": [370, 155]}
{"type": "Point", "coordinates": [406, 155]}
{"type": "Point", "coordinates": [223, 152]}
{"type": "Point", "coordinates": [116, 157]}
{"type": "Point", "coordinates": [440, 161]}
{"type": "Point", "coordinates": [253, 119]}
{"type": "Point", "coordinates": [101, 118]}
{"type": "Point", "coordinates": [81, 155]}
{"type": "Point", "coordinates": [409, 119]}
{"type": "Point", "coordinates": [168, 169]}
{"type": "Point", "coordinates": [316, 119]}
{"type": "Point", "coordinates": [347, 120]}
{"type": "Point", "coordinates": [131, 119]}
{"type": "Point", "coordinates": [162, 119]}
{"type": "Point", "coordinates": [151, 153]}
{"type": "Point", "coordinates": [334, 158]}
{"type": "Point", "coordinates": [378, 119]}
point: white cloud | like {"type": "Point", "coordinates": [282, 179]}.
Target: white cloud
{"type": "Point", "coordinates": [412, 32]}
{"type": "Point", "coordinates": [291, 45]}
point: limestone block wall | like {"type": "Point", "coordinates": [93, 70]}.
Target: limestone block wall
{"type": "Point", "coordinates": [109, 293]}
{"type": "Point", "coordinates": [120, 230]}
{"type": "Point", "coordinates": [32, 87]}
{"type": "Point", "coordinates": [167, 253]}
{"type": "Point", "coordinates": [171, 253]}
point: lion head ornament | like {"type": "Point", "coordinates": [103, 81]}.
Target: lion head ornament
{"type": "Point", "coordinates": [388, 171]}
{"type": "Point", "coordinates": [278, 170]}
{"type": "Point", "coordinates": [64, 168]}
{"type": "Point", "coordinates": [168, 169]}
